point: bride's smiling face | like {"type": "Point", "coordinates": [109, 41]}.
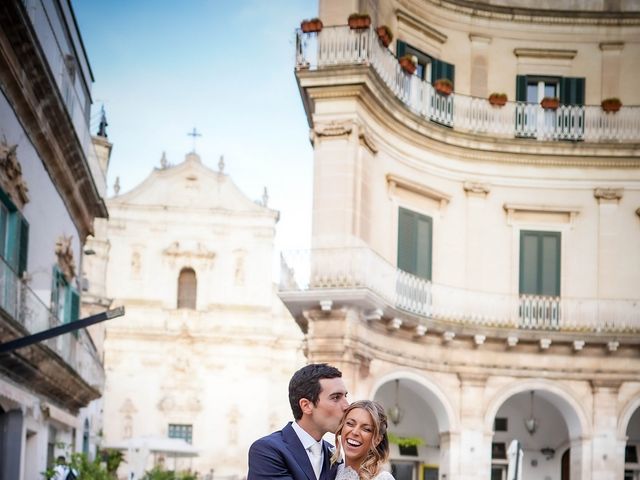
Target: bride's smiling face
{"type": "Point", "coordinates": [357, 436]}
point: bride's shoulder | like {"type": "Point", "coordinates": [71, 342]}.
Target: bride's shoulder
{"type": "Point", "coordinates": [347, 473]}
{"type": "Point", "coordinates": [384, 476]}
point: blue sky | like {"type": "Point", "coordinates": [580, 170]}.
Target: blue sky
{"type": "Point", "coordinates": [225, 67]}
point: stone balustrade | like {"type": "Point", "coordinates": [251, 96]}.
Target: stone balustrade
{"type": "Point", "coordinates": [360, 268]}
{"type": "Point", "coordinates": [341, 46]}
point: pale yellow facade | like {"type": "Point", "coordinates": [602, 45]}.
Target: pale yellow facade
{"type": "Point", "coordinates": [214, 372]}
{"type": "Point", "coordinates": [468, 339]}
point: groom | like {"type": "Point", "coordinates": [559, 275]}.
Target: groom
{"type": "Point", "coordinates": [297, 452]}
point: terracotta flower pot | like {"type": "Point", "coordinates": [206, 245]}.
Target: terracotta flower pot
{"type": "Point", "coordinates": [311, 26]}
{"type": "Point", "coordinates": [385, 35]}
{"type": "Point", "coordinates": [357, 21]}
{"type": "Point", "coordinates": [611, 105]}
{"type": "Point", "coordinates": [498, 99]}
{"type": "Point", "coordinates": [550, 103]}
{"type": "Point", "coordinates": [407, 64]}
{"type": "Point", "coordinates": [443, 86]}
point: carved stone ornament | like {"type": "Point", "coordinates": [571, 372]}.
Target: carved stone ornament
{"type": "Point", "coordinates": [608, 194]}
{"type": "Point", "coordinates": [64, 252]}
{"type": "Point", "coordinates": [476, 188]}
{"type": "Point", "coordinates": [334, 129]}
{"type": "Point", "coordinates": [11, 175]}
{"type": "Point", "coordinates": [197, 251]}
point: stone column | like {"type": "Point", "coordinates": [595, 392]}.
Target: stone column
{"type": "Point", "coordinates": [11, 441]}
{"type": "Point", "coordinates": [611, 68]}
{"type": "Point", "coordinates": [449, 455]}
{"type": "Point", "coordinates": [474, 448]}
{"type": "Point", "coordinates": [479, 65]}
{"type": "Point", "coordinates": [606, 462]}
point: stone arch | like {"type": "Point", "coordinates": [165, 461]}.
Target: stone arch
{"type": "Point", "coordinates": [559, 396]}
{"type": "Point", "coordinates": [437, 399]}
{"type": "Point", "coordinates": [626, 413]}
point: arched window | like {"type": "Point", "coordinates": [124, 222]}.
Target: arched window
{"type": "Point", "coordinates": [187, 287]}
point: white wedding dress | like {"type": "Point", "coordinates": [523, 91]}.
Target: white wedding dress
{"type": "Point", "coordinates": [348, 473]}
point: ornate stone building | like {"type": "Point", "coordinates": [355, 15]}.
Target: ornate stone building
{"type": "Point", "coordinates": [206, 348]}
{"type": "Point", "coordinates": [475, 258]}
{"type": "Point", "coordinates": [51, 188]}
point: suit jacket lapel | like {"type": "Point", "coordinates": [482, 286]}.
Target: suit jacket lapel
{"type": "Point", "coordinates": [328, 470]}
{"type": "Point", "coordinates": [297, 450]}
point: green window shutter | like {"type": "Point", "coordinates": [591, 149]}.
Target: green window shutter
{"type": "Point", "coordinates": [521, 88]}
{"type": "Point", "coordinates": [550, 275]}
{"type": "Point", "coordinates": [540, 263]}
{"type": "Point", "coordinates": [23, 251]}
{"type": "Point", "coordinates": [441, 69]}
{"type": "Point", "coordinates": [414, 243]}
{"type": "Point", "coordinates": [72, 307]}
{"type": "Point", "coordinates": [406, 240]}
{"type": "Point", "coordinates": [572, 90]}
{"type": "Point", "coordinates": [401, 48]}
{"type": "Point", "coordinates": [13, 240]}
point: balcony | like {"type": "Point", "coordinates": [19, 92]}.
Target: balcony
{"type": "Point", "coordinates": [341, 46]}
{"type": "Point", "coordinates": [359, 277]}
{"type": "Point", "coordinates": [66, 367]}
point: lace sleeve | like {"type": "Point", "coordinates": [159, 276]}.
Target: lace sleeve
{"type": "Point", "coordinates": [384, 476]}
{"type": "Point", "coordinates": [347, 474]}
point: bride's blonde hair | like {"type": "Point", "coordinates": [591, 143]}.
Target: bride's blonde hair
{"type": "Point", "coordinates": [379, 450]}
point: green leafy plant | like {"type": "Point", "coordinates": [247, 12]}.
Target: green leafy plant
{"type": "Point", "coordinates": [405, 441]}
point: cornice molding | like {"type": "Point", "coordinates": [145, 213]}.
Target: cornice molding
{"type": "Point", "coordinates": [608, 194]}
{"type": "Point", "coordinates": [394, 181]}
{"type": "Point", "coordinates": [421, 26]}
{"type": "Point", "coordinates": [39, 105]}
{"type": "Point", "coordinates": [556, 54]}
{"type": "Point", "coordinates": [536, 15]}
{"type": "Point", "coordinates": [362, 82]}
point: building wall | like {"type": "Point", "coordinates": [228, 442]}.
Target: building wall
{"type": "Point", "coordinates": [462, 361]}
{"type": "Point", "coordinates": [223, 367]}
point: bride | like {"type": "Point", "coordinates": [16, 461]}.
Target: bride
{"type": "Point", "coordinates": [362, 436]}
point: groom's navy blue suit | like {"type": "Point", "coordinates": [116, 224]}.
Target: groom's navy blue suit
{"type": "Point", "coordinates": [281, 455]}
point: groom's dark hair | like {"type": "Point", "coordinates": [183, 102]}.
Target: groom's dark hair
{"type": "Point", "coordinates": [305, 383]}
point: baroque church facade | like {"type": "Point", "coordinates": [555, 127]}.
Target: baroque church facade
{"type": "Point", "coordinates": [205, 350]}
{"type": "Point", "coordinates": [474, 261]}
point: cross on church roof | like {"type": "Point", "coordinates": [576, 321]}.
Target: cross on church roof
{"type": "Point", "coordinates": [194, 134]}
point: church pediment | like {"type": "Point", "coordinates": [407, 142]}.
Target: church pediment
{"type": "Point", "coordinates": [190, 185]}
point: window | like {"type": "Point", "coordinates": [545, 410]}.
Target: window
{"type": "Point", "coordinates": [414, 243]}
{"type": "Point", "coordinates": [14, 235]}
{"type": "Point", "coordinates": [429, 69]}
{"type": "Point", "coordinates": [499, 450]}
{"type": "Point", "coordinates": [86, 433]}
{"type": "Point", "coordinates": [65, 300]}
{"type": "Point", "coordinates": [533, 88]}
{"type": "Point", "coordinates": [187, 288]}
{"type": "Point", "coordinates": [540, 263]}
{"type": "Point", "coordinates": [181, 431]}
{"type": "Point", "coordinates": [500, 424]}
{"type": "Point", "coordinates": [630, 454]}
{"type": "Point", "coordinates": [408, 450]}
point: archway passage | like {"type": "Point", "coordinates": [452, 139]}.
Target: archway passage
{"type": "Point", "coordinates": [534, 419]}
{"type": "Point", "coordinates": [418, 424]}
{"type": "Point", "coordinates": [632, 449]}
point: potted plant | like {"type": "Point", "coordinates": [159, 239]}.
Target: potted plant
{"type": "Point", "coordinates": [498, 99]}
{"type": "Point", "coordinates": [405, 441]}
{"type": "Point", "coordinates": [443, 86]}
{"type": "Point", "coordinates": [385, 35]}
{"type": "Point", "coordinates": [359, 20]}
{"type": "Point", "coordinates": [311, 26]}
{"type": "Point", "coordinates": [550, 103]}
{"type": "Point", "coordinates": [611, 104]}
{"type": "Point", "coordinates": [408, 63]}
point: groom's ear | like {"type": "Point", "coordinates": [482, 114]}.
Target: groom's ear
{"type": "Point", "coordinates": [306, 405]}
